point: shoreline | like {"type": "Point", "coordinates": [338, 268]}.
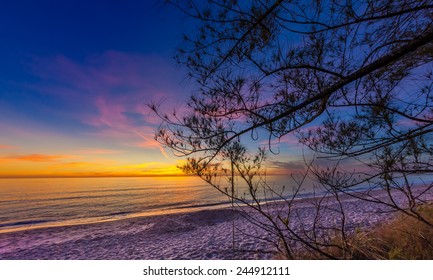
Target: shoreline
{"type": "Point", "coordinates": [201, 234]}
{"type": "Point", "coordinates": [119, 217]}
{"type": "Point", "coordinates": [114, 218]}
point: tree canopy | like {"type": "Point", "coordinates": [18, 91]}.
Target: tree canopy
{"type": "Point", "coordinates": [349, 78]}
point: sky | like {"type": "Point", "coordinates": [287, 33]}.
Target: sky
{"type": "Point", "coordinates": [75, 81]}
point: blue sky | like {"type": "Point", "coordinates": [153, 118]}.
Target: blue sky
{"type": "Point", "coordinates": [75, 81]}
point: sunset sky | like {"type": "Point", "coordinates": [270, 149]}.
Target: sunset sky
{"type": "Point", "coordinates": [75, 81]}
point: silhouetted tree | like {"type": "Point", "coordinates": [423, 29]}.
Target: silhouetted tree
{"type": "Point", "coordinates": [353, 80]}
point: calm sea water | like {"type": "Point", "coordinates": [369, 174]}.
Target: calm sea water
{"type": "Point", "coordinates": [30, 203]}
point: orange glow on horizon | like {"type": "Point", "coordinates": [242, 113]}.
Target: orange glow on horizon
{"type": "Point", "coordinates": [44, 165]}
{"type": "Point", "coordinates": [95, 163]}
{"type": "Point", "coordinates": [32, 174]}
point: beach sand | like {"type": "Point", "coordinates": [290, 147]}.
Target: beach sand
{"type": "Point", "coordinates": [205, 234]}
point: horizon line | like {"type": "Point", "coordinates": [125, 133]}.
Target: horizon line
{"type": "Point", "coordinates": [89, 176]}
{"type": "Point", "coordinates": [104, 176]}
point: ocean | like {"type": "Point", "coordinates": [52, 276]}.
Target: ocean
{"type": "Point", "coordinates": [44, 202]}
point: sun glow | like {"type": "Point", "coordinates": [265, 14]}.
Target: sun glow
{"type": "Point", "coordinates": [39, 165]}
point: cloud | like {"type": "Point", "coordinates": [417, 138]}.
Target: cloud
{"type": "Point", "coordinates": [7, 147]}
{"type": "Point", "coordinates": [99, 151]}
{"type": "Point", "coordinates": [36, 157]}
{"type": "Point", "coordinates": [154, 168]}
{"type": "Point", "coordinates": [150, 142]}
{"type": "Point", "coordinates": [286, 165]}
{"type": "Point", "coordinates": [109, 92]}
{"type": "Point", "coordinates": [288, 140]}
{"type": "Point", "coordinates": [76, 164]}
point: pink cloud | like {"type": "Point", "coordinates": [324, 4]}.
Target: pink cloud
{"type": "Point", "coordinates": [36, 157]}
{"type": "Point", "coordinates": [152, 74]}
{"type": "Point", "coordinates": [151, 143]}
{"type": "Point", "coordinates": [286, 140]}
{"type": "Point", "coordinates": [110, 92]}
{"type": "Point", "coordinates": [7, 147]}
{"type": "Point", "coordinates": [110, 114]}
{"type": "Point", "coordinates": [99, 151]}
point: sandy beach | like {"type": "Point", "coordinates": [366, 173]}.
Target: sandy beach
{"type": "Point", "coordinates": [205, 234]}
